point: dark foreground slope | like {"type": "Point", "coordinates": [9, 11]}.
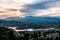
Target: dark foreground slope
{"type": "Point", "coordinates": [9, 34]}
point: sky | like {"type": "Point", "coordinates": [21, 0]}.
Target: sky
{"type": "Point", "coordinates": [23, 8]}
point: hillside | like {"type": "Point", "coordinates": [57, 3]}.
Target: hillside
{"type": "Point", "coordinates": [25, 25]}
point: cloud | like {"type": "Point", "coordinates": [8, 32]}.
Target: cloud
{"type": "Point", "coordinates": [32, 8]}
{"type": "Point", "coordinates": [17, 3]}
{"type": "Point", "coordinates": [10, 8]}
{"type": "Point", "coordinates": [22, 8]}
{"type": "Point", "coordinates": [32, 1]}
{"type": "Point", "coordinates": [10, 13]}
{"type": "Point", "coordinates": [52, 12]}
{"type": "Point", "coordinates": [44, 4]}
{"type": "Point", "coordinates": [11, 4]}
{"type": "Point", "coordinates": [55, 3]}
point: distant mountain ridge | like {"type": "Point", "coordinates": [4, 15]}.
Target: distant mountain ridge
{"type": "Point", "coordinates": [33, 19]}
{"type": "Point", "coordinates": [31, 22]}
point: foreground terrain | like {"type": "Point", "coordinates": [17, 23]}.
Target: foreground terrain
{"type": "Point", "coordinates": [10, 34]}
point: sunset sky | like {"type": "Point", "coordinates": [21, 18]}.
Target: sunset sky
{"type": "Point", "coordinates": [23, 8]}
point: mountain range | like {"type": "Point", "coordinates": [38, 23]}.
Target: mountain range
{"type": "Point", "coordinates": [33, 19]}
{"type": "Point", "coordinates": [31, 22]}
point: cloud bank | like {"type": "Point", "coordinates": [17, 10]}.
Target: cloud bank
{"type": "Point", "coordinates": [22, 8]}
{"type": "Point", "coordinates": [53, 12]}
{"type": "Point", "coordinates": [45, 5]}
